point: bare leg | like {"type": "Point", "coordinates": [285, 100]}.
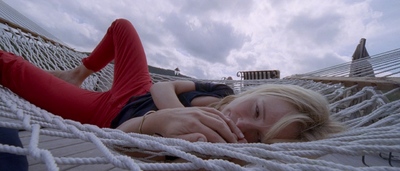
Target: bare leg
{"type": "Point", "coordinates": [74, 76]}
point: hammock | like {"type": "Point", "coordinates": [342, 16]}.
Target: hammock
{"type": "Point", "coordinates": [373, 118]}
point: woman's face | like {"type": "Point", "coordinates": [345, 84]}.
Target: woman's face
{"type": "Point", "coordinates": [256, 114]}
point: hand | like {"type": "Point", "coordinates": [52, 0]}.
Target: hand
{"type": "Point", "coordinates": [193, 124]}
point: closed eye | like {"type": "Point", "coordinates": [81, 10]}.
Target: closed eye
{"type": "Point", "coordinates": [257, 114]}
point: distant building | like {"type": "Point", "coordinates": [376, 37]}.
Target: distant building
{"type": "Point", "coordinates": [167, 72]}
{"type": "Point", "coordinates": [177, 71]}
{"type": "Point", "coordinates": [227, 78]}
{"type": "Point", "coordinates": [257, 75]}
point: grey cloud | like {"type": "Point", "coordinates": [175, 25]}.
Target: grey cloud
{"type": "Point", "coordinates": [308, 64]}
{"type": "Point", "coordinates": [198, 72]}
{"type": "Point", "coordinates": [248, 63]}
{"type": "Point", "coordinates": [321, 30]}
{"type": "Point", "coordinates": [195, 7]}
{"type": "Point", "coordinates": [162, 60]}
{"type": "Point", "coordinates": [76, 40]}
{"type": "Point", "coordinates": [212, 41]}
{"type": "Point", "coordinates": [387, 39]}
{"type": "Point", "coordinates": [152, 37]}
{"type": "Point", "coordinates": [86, 12]}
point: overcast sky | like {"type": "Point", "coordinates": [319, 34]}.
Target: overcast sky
{"type": "Point", "coordinates": [213, 39]}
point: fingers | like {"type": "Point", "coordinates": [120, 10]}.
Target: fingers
{"type": "Point", "coordinates": [197, 124]}
{"type": "Point", "coordinates": [215, 136]}
{"type": "Point", "coordinates": [216, 127]}
{"type": "Point", "coordinates": [233, 128]}
{"type": "Point", "coordinates": [206, 135]}
{"type": "Point", "coordinates": [242, 140]}
{"type": "Point", "coordinates": [193, 137]}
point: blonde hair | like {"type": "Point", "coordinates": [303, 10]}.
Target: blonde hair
{"type": "Point", "coordinates": [313, 112]}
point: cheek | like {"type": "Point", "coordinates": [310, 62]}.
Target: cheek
{"type": "Point", "coordinates": [250, 137]}
{"type": "Point", "coordinates": [292, 131]}
{"type": "Point", "coordinates": [238, 108]}
{"type": "Point", "coordinates": [236, 112]}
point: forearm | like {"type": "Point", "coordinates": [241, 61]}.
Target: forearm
{"type": "Point", "coordinates": [141, 125]}
{"type": "Point", "coordinates": [131, 125]}
{"type": "Point", "coordinates": [165, 93]}
{"type": "Point", "coordinates": [191, 124]}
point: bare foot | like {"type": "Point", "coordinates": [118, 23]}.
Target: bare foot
{"type": "Point", "coordinates": [68, 76]}
{"type": "Point", "coordinates": [74, 76]}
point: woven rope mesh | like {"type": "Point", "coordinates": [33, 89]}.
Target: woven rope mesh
{"type": "Point", "coordinates": [373, 118]}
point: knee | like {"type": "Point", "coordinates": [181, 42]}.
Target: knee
{"type": "Point", "coordinates": [122, 21]}
{"type": "Point", "coordinates": [122, 26]}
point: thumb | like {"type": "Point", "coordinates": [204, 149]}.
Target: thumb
{"type": "Point", "coordinates": [193, 137]}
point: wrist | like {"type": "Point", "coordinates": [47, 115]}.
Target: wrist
{"type": "Point", "coordinates": [145, 124]}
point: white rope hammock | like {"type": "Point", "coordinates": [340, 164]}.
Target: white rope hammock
{"type": "Point", "coordinates": [373, 119]}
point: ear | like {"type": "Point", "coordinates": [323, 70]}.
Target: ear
{"type": "Point", "coordinates": [193, 137]}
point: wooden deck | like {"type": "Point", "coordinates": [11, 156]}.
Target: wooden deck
{"type": "Point", "coordinates": [64, 147]}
